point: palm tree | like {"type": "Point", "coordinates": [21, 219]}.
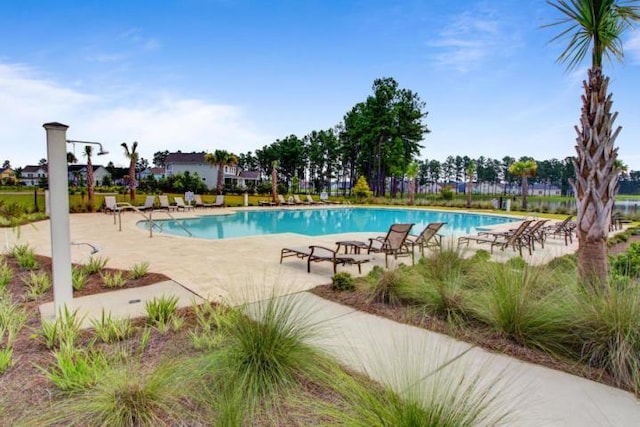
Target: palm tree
{"type": "Point", "coordinates": [71, 158]}
{"type": "Point", "coordinates": [524, 169]}
{"type": "Point", "coordinates": [596, 26]}
{"type": "Point", "coordinates": [88, 150]}
{"type": "Point", "coordinates": [221, 158]}
{"type": "Point", "coordinates": [274, 180]}
{"type": "Point", "coordinates": [471, 169]}
{"type": "Point", "coordinates": [412, 173]}
{"type": "Point", "coordinates": [133, 156]}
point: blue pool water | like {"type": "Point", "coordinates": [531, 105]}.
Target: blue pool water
{"type": "Point", "coordinates": [317, 222]}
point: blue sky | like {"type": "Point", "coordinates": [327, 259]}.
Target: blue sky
{"type": "Point", "coordinates": [197, 75]}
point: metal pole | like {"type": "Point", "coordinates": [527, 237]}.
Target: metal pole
{"type": "Point", "coordinates": [59, 195]}
{"type": "Point", "coordinates": [119, 220]}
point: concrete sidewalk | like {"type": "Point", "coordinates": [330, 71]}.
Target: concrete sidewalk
{"type": "Point", "coordinates": [386, 350]}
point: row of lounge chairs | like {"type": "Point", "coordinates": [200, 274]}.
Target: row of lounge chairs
{"type": "Point", "coordinates": [397, 242]}
{"type": "Point", "coordinates": [111, 205]}
{"type": "Point", "coordinates": [526, 235]}
{"type": "Point", "coordinates": [295, 200]}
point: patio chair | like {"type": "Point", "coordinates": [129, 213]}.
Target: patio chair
{"type": "Point", "coordinates": [429, 238]}
{"type": "Point", "coordinates": [164, 203]}
{"type": "Point", "coordinates": [502, 240]}
{"type": "Point", "coordinates": [198, 203]}
{"type": "Point", "coordinates": [297, 201]}
{"type": "Point", "coordinates": [394, 243]}
{"type": "Point", "coordinates": [112, 206]}
{"type": "Point", "coordinates": [282, 201]}
{"type": "Point", "coordinates": [617, 221]}
{"type": "Point", "coordinates": [313, 202]}
{"type": "Point", "coordinates": [149, 202]}
{"type": "Point", "coordinates": [323, 254]}
{"type": "Point", "coordinates": [266, 203]}
{"type": "Point", "coordinates": [563, 229]}
{"type": "Point", "coordinates": [181, 205]}
{"type": "Point", "coordinates": [219, 203]}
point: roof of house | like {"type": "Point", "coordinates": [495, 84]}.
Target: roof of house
{"type": "Point", "coordinates": [34, 168]}
{"type": "Point", "coordinates": [186, 158]}
{"type": "Point", "coordinates": [249, 174]}
{"type": "Point", "coordinates": [73, 168]}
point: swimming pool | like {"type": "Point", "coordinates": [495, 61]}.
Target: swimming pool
{"type": "Point", "coordinates": [317, 222]}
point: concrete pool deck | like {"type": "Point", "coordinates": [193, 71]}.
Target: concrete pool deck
{"type": "Point", "coordinates": [234, 270]}
{"type": "Point", "coordinates": [248, 269]}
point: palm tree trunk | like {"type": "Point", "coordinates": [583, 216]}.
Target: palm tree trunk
{"type": "Point", "coordinates": [596, 179]}
{"type": "Point", "coordinates": [525, 191]}
{"type": "Point", "coordinates": [469, 188]}
{"type": "Point", "coordinates": [220, 179]}
{"type": "Point", "coordinates": [90, 183]}
{"type": "Point", "coordinates": [132, 182]}
{"type": "Point", "coordinates": [274, 184]}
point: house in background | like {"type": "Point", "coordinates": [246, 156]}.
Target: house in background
{"type": "Point", "coordinates": [7, 176]}
{"type": "Point", "coordinates": [179, 163]}
{"type": "Point", "coordinates": [77, 173]}
{"type": "Point", "coordinates": [157, 173]}
{"type": "Point", "coordinates": [33, 175]}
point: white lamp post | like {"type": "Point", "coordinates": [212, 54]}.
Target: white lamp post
{"type": "Point", "coordinates": [59, 197]}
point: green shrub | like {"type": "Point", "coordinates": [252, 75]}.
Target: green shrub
{"type": "Point", "coordinates": [27, 260]}
{"type": "Point", "coordinates": [110, 330]}
{"type": "Point", "coordinates": [64, 330]}
{"type": "Point", "coordinates": [213, 325]}
{"type": "Point", "coordinates": [18, 250]}
{"type": "Point", "coordinates": [139, 270]}
{"type": "Point", "coordinates": [342, 282]}
{"type": "Point", "coordinates": [37, 284]}
{"type": "Point", "coordinates": [481, 255]}
{"type": "Point", "coordinates": [627, 263]}
{"type": "Point", "coordinates": [95, 265]}
{"type": "Point", "coordinates": [12, 319]}
{"type": "Point", "coordinates": [516, 262]}
{"type": "Point", "coordinates": [115, 279]}
{"type": "Point", "coordinates": [447, 193]}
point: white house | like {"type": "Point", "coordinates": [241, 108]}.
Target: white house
{"type": "Point", "coordinates": [31, 175]}
{"type": "Point", "coordinates": [76, 171]}
{"type": "Point", "coordinates": [178, 163]}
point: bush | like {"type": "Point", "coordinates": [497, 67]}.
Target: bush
{"type": "Point", "coordinates": [161, 312]}
{"type": "Point", "coordinates": [95, 265]}
{"type": "Point", "coordinates": [447, 193]}
{"type": "Point", "coordinates": [627, 263]}
{"type": "Point", "coordinates": [110, 330]}
{"type": "Point", "coordinates": [395, 286]}
{"type": "Point", "coordinates": [139, 270]}
{"type": "Point", "coordinates": [342, 282]}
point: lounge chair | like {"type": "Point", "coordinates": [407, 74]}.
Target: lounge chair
{"type": "Point", "coordinates": [198, 203]}
{"type": "Point", "coordinates": [429, 238]}
{"type": "Point", "coordinates": [394, 243]}
{"type": "Point", "coordinates": [563, 229]}
{"type": "Point", "coordinates": [502, 240]}
{"type": "Point", "coordinates": [617, 221]}
{"type": "Point", "coordinates": [313, 202]}
{"type": "Point", "coordinates": [181, 205]}
{"type": "Point", "coordinates": [148, 204]}
{"type": "Point", "coordinates": [282, 201]}
{"type": "Point", "coordinates": [266, 203]}
{"type": "Point", "coordinates": [219, 203]}
{"type": "Point", "coordinates": [297, 201]}
{"type": "Point", "coordinates": [112, 206]}
{"type": "Point", "coordinates": [322, 254]}
{"type": "Point", "coordinates": [164, 203]}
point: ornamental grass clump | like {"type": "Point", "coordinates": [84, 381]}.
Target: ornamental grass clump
{"type": "Point", "coordinates": [162, 312]}
{"type": "Point", "coordinates": [113, 280]}
{"type": "Point", "coordinates": [607, 325]}
{"type": "Point", "coordinates": [111, 330]}
{"type": "Point", "coordinates": [393, 287]}
{"type": "Point", "coordinates": [128, 395]}
{"type": "Point", "coordinates": [79, 278]}
{"type": "Point", "coordinates": [6, 274]}
{"type": "Point", "coordinates": [74, 369]}
{"type": "Point", "coordinates": [37, 284]}
{"type": "Point", "coordinates": [95, 265]}
{"type": "Point", "coordinates": [138, 271]}
{"type": "Point", "coordinates": [524, 305]}
{"type": "Point", "coordinates": [64, 330]}
{"type": "Point", "coordinates": [213, 325]}
{"type": "Point", "coordinates": [267, 354]}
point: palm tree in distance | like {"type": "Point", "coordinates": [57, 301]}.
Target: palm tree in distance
{"type": "Point", "coordinates": [274, 180]}
{"type": "Point", "coordinates": [221, 158]}
{"type": "Point", "coordinates": [133, 155]}
{"type": "Point", "coordinates": [524, 169]}
{"type": "Point", "coordinates": [596, 26]}
{"type": "Point", "coordinates": [471, 169]}
{"type": "Point", "coordinates": [88, 151]}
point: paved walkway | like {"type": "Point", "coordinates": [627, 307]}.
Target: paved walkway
{"type": "Point", "coordinates": [247, 270]}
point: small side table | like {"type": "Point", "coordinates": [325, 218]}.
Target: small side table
{"type": "Point", "coordinates": [352, 246]}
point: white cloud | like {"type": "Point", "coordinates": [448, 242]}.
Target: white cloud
{"type": "Point", "coordinates": [159, 122]}
{"type": "Point", "coordinates": [632, 47]}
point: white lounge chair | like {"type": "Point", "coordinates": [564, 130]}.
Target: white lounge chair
{"type": "Point", "coordinates": [181, 205]}
{"type": "Point", "coordinates": [164, 203]}
{"type": "Point", "coordinates": [148, 204]}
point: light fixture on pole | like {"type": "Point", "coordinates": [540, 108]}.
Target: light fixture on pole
{"type": "Point", "coordinates": [102, 151]}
